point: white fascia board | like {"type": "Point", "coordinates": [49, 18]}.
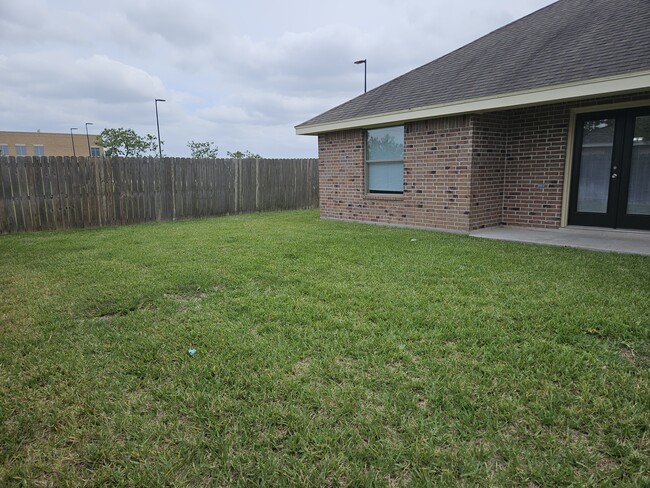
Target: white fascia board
{"type": "Point", "coordinates": [569, 91]}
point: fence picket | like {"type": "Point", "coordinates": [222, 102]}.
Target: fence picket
{"type": "Point", "coordinates": [62, 192]}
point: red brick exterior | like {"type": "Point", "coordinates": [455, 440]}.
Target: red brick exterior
{"type": "Point", "coordinates": [437, 178]}
{"type": "Point", "coordinates": [488, 166]}
{"type": "Point", "coordinates": [534, 167]}
{"type": "Point", "coordinates": [460, 173]}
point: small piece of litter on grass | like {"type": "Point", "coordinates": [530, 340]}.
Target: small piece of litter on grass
{"type": "Point", "coordinates": [191, 352]}
{"type": "Point", "coordinates": [413, 240]}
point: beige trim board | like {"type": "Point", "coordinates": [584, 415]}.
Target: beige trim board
{"type": "Point", "coordinates": [568, 168]}
{"type": "Point", "coordinates": [570, 91]}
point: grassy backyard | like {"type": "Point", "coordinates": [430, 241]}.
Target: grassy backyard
{"type": "Point", "coordinates": [328, 353]}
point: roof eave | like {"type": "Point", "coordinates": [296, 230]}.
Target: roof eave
{"type": "Point", "coordinates": [628, 82]}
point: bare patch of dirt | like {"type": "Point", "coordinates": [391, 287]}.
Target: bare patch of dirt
{"type": "Point", "coordinates": [634, 358]}
{"type": "Point", "coordinates": [606, 464]}
{"type": "Point", "coordinates": [186, 297]}
{"type": "Point", "coordinates": [400, 479]}
{"type": "Point", "coordinates": [628, 355]}
{"type": "Point", "coordinates": [301, 366]}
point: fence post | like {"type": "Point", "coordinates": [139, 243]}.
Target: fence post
{"type": "Point", "coordinates": [237, 182]}
{"type": "Point", "coordinates": [173, 163]}
{"type": "Point", "coordinates": [257, 185]}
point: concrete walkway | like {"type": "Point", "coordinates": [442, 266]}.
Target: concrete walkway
{"type": "Point", "coordinates": [594, 238]}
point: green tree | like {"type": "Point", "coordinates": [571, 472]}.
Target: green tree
{"type": "Point", "coordinates": [203, 150]}
{"type": "Point", "coordinates": [126, 143]}
{"type": "Point", "coordinates": [243, 155]}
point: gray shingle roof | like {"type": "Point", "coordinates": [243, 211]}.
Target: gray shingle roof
{"type": "Point", "coordinates": [567, 41]}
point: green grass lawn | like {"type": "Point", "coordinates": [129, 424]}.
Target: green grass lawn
{"type": "Point", "coordinates": [328, 353]}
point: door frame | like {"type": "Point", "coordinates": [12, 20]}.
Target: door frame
{"type": "Point", "coordinates": [571, 132]}
{"type": "Point", "coordinates": [609, 218]}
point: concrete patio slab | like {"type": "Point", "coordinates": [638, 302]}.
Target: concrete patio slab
{"type": "Point", "coordinates": [593, 238]}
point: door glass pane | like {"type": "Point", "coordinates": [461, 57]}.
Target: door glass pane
{"type": "Point", "coordinates": [595, 165]}
{"type": "Point", "coordinates": [638, 197]}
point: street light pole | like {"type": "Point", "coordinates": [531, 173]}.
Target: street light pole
{"type": "Point", "coordinates": [365, 72]}
{"type": "Point", "coordinates": [88, 138]}
{"type": "Point", "coordinates": [74, 152]}
{"type": "Point", "coordinates": [158, 125]}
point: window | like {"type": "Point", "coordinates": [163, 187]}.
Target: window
{"type": "Point", "coordinates": [39, 150]}
{"type": "Point", "coordinates": [21, 150]}
{"type": "Point", "coordinates": [385, 160]}
{"type": "Point", "coordinates": [95, 152]}
{"type": "Point", "coordinates": [4, 149]}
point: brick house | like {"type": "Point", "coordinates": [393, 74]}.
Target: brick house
{"type": "Point", "coordinates": [542, 123]}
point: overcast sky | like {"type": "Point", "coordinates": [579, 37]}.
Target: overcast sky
{"type": "Point", "coordinates": [239, 73]}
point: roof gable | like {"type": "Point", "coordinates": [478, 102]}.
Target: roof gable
{"type": "Point", "coordinates": [566, 42]}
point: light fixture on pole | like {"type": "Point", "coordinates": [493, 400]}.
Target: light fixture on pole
{"type": "Point", "coordinates": [365, 72]}
{"type": "Point", "coordinates": [74, 152]}
{"type": "Point", "coordinates": [158, 125]}
{"type": "Point", "coordinates": [88, 138]}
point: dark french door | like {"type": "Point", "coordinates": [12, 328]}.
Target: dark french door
{"type": "Point", "coordinates": [610, 184]}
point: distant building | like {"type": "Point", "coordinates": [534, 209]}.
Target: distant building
{"type": "Point", "coordinates": [48, 144]}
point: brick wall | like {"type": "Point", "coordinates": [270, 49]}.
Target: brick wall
{"type": "Point", "coordinates": [461, 173]}
{"type": "Point", "coordinates": [437, 178]}
{"type": "Point", "coordinates": [488, 161]}
{"type": "Point", "coordinates": [534, 166]}
{"type": "Point", "coordinates": [340, 174]}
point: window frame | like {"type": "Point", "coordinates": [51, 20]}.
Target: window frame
{"type": "Point", "coordinates": [24, 149]}
{"type": "Point", "coordinates": [368, 164]}
{"type": "Point", "coordinates": [98, 151]}
{"type": "Point", "coordinates": [4, 149]}
{"type": "Point", "coordinates": [42, 150]}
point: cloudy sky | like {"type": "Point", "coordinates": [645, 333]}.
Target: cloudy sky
{"type": "Point", "coordinates": [239, 73]}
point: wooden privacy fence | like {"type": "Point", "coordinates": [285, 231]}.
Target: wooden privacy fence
{"type": "Point", "coordinates": [38, 193]}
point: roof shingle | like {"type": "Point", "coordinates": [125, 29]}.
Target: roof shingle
{"type": "Point", "coordinates": [567, 41]}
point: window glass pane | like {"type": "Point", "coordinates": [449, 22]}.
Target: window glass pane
{"type": "Point", "coordinates": [386, 144]}
{"type": "Point", "coordinates": [638, 198]}
{"type": "Point", "coordinates": [386, 177]}
{"type": "Point", "coordinates": [21, 150]}
{"type": "Point", "coordinates": [4, 150]}
{"type": "Point", "coordinates": [595, 165]}
{"type": "Point", "coordinates": [39, 150]}
{"type": "Point", "coordinates": [94, 152]}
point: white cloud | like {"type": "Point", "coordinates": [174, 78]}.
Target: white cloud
{"type": "Point", "coordinates": [229, 114]}
{"type": "Point", "coordinates": [51, 78]}
{"type": "Point", "coordinates": [241, 74]}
